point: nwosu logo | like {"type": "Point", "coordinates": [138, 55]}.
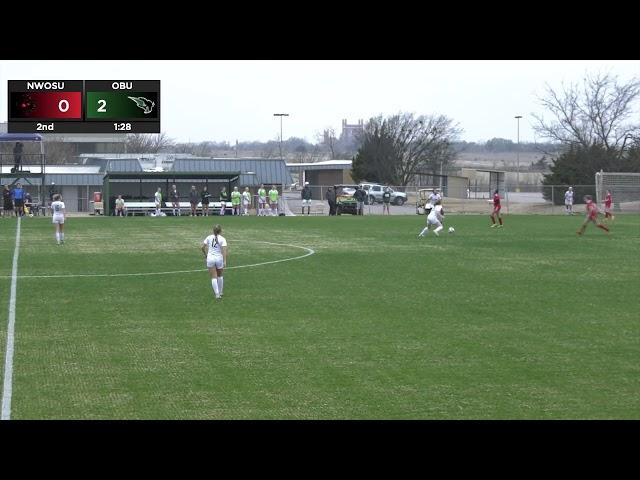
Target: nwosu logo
{"type": "Point", "coordinates": [45, 85]}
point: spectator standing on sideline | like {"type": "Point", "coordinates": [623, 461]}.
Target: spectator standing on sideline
{"type": "Point", "coordinates": [194, 198]}
{"type": "Point", "coordinates": [235, 201]}
{"type": "Point", "coordinates": [223, 200]}
{"type": "Point", "coordinates": [120, 207]}
{"type": "Point", "coordinates": [7, 200]}
{"type": "Point", "coordinates": [386, 201]}
{"type": "Point", "coordinates": [568, 201]}
{"type": "Point", "coordinates": [360, 195]}
{"type": "Point", "coordinates": [175, 200]}
{"type": "Point", "coordinates": [17, 156]}
{"type": "Point", "coordinates": [205, 197]}
{"type": "Point", "coordinates": [306, 198]}
{"type": "Point", "coordinates": [18, 199]}
{"type": "Point", "coordinates": [273, 200]}
{"type": "Point", "coordinates": [246, 201]}
{"type": "Point", "coordinates": [331, 198]}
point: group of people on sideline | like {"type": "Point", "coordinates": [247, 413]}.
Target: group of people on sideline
{"type": "Point", "coordinates": [16, 201]}
{"type": "Point", "coordinates": [241, 202]}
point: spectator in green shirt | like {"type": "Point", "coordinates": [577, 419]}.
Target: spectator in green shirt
{"type": "Point", "coordinates": [273, 200]}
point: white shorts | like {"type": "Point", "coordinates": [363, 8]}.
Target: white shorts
{"type": "Point", "coordinates": [262, 201]}
{"type": "Point", "coordinates": [217, 262]}
{"type": "Point", "coordinates": [433, 221]}
{"type": "Point", "coordinates": [245, 203]}
{"type": "Point", "coordinates": [568, 203]}
{"type": "Point", "coordinates": [306, 203]}
{"type": "Point", "coordinates": [157, 205]}
{"type": "Point", "coordinates": [58, 219]}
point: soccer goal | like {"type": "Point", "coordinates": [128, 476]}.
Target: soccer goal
{"type": "Point", "coordinates": [624, 188]}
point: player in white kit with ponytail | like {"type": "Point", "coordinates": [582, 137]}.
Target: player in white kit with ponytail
{"type": "Point", "coordinates": [58, 211]}
{"type": "Point", "coordinates": [214, 248]}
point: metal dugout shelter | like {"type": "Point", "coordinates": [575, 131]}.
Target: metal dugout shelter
{"type": "Point", "coordinates": [141, 186]}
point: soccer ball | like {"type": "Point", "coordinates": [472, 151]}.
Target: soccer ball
{"type": "Point", "coordinates": [452, 230]}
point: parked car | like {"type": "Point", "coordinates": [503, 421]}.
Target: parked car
{"type": "Point", "coordinates": [345, 202]}
{"type": "Point", "coordinates": [375, 191]}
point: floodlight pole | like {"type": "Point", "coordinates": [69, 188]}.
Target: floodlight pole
{"type": "Point", "coordinates": [518, 117]}
{"type": "Point", "coordinates": [280, 115]}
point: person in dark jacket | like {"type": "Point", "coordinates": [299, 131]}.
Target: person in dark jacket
{"type": "Point", "coordinates": [17, 156]}
{"type": "Point", "coordinates": [7, 199]}
{"type": "Point", "coordinates": [205, 198]}
{"type": "Point", "coordinates": [306, 198]}
{"type": "Point", "coordinates": [331, 198]}
{"type": "Point", "coordinates": [194, 198]}
{"type": "Point", "coordinates": [360, 195]}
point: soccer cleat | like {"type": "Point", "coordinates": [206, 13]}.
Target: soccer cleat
{"type": "Point", "coordinates": [579, 232]}
{"type": "Point", "coordinates": [494, 225]}
{"type": "Point", "coordinates": [500, 226]}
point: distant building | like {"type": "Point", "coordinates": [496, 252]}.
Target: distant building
{"type": "Point", "coordinates": [349, 132]}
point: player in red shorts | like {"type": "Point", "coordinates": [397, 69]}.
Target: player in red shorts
{"type": "Point", "coordinates": [592, 216]}
{"type": "Point", "coordinates": [608, 200]}
{"type": "Point", "coordinates": [496, 210]}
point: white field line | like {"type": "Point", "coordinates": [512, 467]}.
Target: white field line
{"type": "Point", "coordinates": [7, 385]}
{"type": "Point", "coordinates": [144, 274]}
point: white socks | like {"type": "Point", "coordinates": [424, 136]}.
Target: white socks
{"type": "Point", "coordinates": [57, 237]}
{"type": "Point", "coordinates": [438, 230]}
{"type": "Point", "coordinates": [217, 284]}
{"type": "Point", "coordinates": [424, 231]}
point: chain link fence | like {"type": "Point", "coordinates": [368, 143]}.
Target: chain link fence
{"type": "Point", "coordinates": [477, 199]}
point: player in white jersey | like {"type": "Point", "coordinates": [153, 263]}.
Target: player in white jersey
{"type": "Point", "coordinates": [568, 201]}
{"type": "Point", "coordinates": [58, 211]}
{"type": "Point", "coordinates": [214, 248]}
{"type": "Point", "coordinates": [435, 218]}
{"type": "Point", "coordinates": [246, 201]}
{"type": "Point", "coordinates": [158, 202]}
{"type": "Point", "coordinates": [433, 198]}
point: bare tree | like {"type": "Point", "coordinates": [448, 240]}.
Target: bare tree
{"type": "Point", "coordinates": [594, 114]}
{"type": "Point", "coordinates": [146, 143]}
{"type": "Point", "coordinates": [395, 148]}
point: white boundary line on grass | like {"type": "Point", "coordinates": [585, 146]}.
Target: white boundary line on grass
{"type": "Point", "coordinates": [144, 274]}
{"type": "Point", "coordinates": [8, 359]}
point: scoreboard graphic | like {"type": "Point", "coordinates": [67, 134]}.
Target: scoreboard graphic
{"type": "Point", "coordinates": [84, 106]}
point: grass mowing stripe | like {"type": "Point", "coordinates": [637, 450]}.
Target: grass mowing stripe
{"type": "Point", "coordinates": [7, 384]}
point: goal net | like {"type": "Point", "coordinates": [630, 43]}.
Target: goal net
{"type": "Point", "coordinates": [624, 188]}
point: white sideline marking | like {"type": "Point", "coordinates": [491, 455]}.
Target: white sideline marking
{"type": "Point", "coordinates": [144, 274]}
{"type": "Point", "coordinates": [8, 359]}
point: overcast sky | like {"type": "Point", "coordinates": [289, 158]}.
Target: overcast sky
{"type": "Point", "coordinates": [229, 100]}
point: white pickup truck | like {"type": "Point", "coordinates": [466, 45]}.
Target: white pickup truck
{"type": "Point", "coordinates": [375, 191]}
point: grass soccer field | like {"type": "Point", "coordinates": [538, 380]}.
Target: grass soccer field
{"type": "Point", "coordinates": [525, 322]}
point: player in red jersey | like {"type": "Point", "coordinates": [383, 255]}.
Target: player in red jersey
{"type": "Point", "coordinates": [608, 200]}
{"type": "Point", "coordinates": [592, 216]}
{"type": "Point", "coordinates": [496, 210]}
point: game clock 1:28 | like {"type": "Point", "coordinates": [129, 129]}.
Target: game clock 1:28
{"type": "Point", "coordinates": [122, 127]}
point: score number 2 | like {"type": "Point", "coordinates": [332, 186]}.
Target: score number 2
{"type": "Point", "coordinates": [102, 106]}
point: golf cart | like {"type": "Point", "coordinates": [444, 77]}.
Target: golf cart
{"type": "Point", "coordinates": [423, 198]}
{"type": "Point", "coordinates": [345, 201]}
